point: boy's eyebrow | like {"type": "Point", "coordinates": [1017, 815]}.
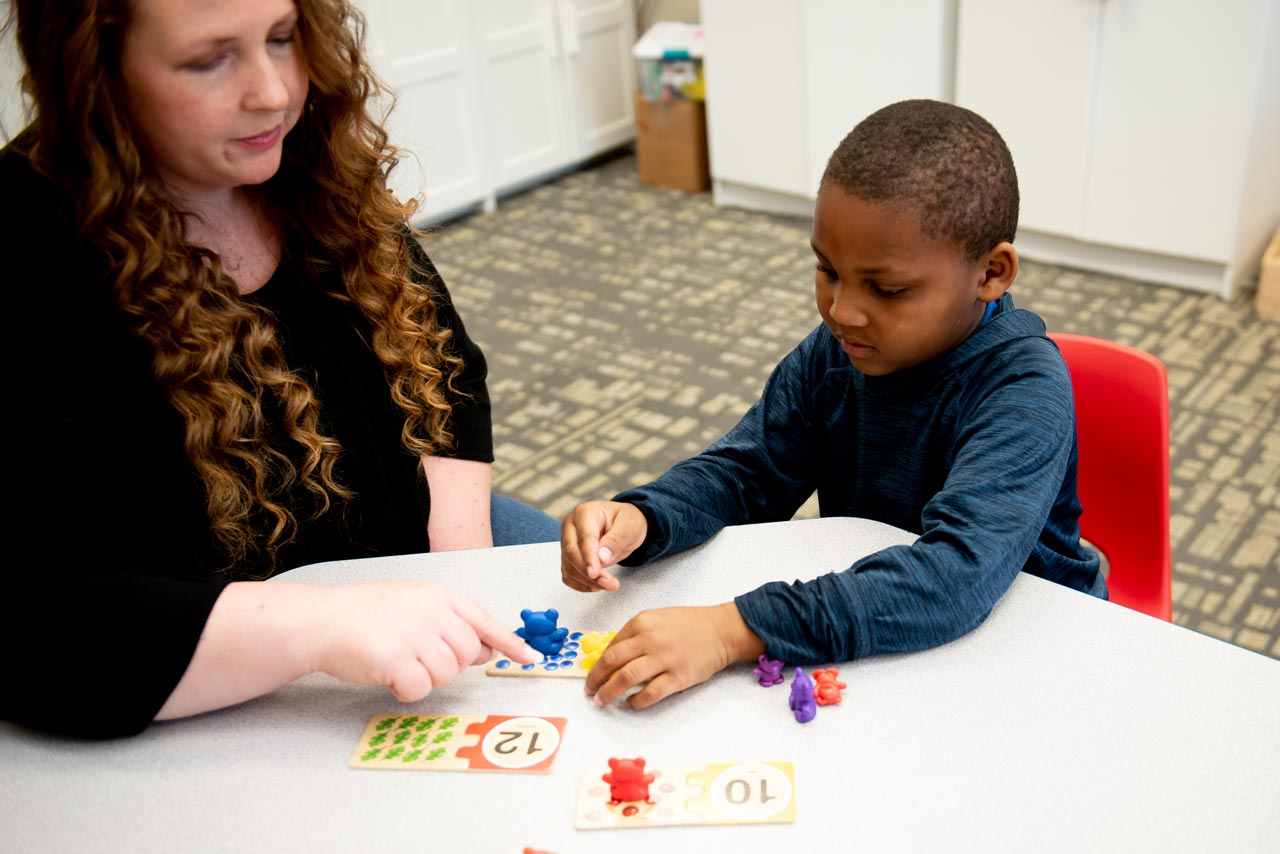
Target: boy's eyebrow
{"type": "Point", "coordinates": [816, 250]}
{"type": "Point", "coordinates": [862, 271]}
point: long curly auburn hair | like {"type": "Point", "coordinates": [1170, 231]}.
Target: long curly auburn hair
{"type": "Point", "coordinates": [252, 424]}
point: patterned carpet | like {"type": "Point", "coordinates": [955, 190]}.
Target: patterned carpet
{"type": "Point", "coordinates": [627, 327]}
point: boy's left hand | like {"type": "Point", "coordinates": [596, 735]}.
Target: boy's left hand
{"type": "Point", "coordinates": [671, 649]}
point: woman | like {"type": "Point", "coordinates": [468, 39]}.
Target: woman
{"type": "Point", "coordinates": [245, 363]}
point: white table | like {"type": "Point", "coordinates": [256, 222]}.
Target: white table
{"type": "Point", "coordinates": [1063, 723]}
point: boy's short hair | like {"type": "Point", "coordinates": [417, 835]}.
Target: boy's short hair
{"type": "Point", "coordinates": [946, 162]}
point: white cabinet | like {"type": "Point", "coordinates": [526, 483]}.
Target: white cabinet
{"type": "Point", "coordinates": [422, 50]}
{"type": "Point", "coordinates": [786, 81]}
{"type": "Point", "coordinates": [599, 73]}
{"type": "Point", "coordinates": [557, 77]}
{"type": "Point", "coordinates": [1146, 133]}
{"type": "Point", "coordinates": [753, 62]}
{"type": "Point", "coordinates": [522, 68]}
{"type": "Point", "coordinates": [493, 95]}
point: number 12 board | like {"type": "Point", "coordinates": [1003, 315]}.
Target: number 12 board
{"type": "Point", "coordinates": [442, 742]}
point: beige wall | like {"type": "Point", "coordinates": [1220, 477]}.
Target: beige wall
{"type": "Point", "coordinates": [649, 11]}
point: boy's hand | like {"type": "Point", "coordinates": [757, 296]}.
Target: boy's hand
{"type": "Point", "coordinates": [671, 649]}
{"type": "Point", "coordinates": [597, 534]}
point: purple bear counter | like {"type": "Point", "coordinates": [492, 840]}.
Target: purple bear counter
{"type": "Point", "coordinates": [824, 689]}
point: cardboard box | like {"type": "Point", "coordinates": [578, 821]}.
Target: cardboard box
{"type": "Point", "coordinates": [1267, 300]}
{"type": "Point", "coordinates": [671, 144]}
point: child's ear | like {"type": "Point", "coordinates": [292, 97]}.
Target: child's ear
{"type": "Point", "coordinates": [999, 268]}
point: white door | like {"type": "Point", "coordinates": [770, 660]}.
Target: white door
{"type": "Point", "coordinates": [596, 38]}
{"type": "Point", "coordinates": [524, 103]}
{"type": "Point", "coordinates": [904, 51]}
{"type": "Point", "coordinates": [419, 47]}
{"type": "Point", "coordinates": [756, 108]}
{"type": "Point", "coordinates": [1174, 117]}
{"type": "Point", "coordinates": [1028, 68]}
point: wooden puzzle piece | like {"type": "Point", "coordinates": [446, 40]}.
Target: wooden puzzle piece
{"type": "Point", "coordinates": [577, 656]}
{"type": "Point", "coordinates": [458, 743]}
{"type": "Point", "coordinates": [716, 793]}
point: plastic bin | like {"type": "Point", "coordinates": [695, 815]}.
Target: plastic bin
{"type": "Point", "coordinates": [669, 56]}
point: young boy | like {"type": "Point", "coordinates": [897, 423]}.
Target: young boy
{"type": "Point", "coordinates": [924, 400]}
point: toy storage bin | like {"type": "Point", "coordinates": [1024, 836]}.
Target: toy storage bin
{"type": "Point", "coordinates": [669, 56]}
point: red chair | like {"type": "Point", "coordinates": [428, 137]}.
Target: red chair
{"type": "Point", "coordinates": [1122, 420]}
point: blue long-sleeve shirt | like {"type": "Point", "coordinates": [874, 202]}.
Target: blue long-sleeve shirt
{"type": "Point", "coordinates": [974, 451]}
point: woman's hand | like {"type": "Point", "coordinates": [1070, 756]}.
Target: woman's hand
{"type": "Point", "coordinates": [670, 649]}
{"type": "Point", "coordinates": [597, 534]}
{"type": "Point", "coordinates": [411, 636]}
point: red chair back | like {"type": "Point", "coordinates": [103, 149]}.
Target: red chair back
{"type": "Point", "coordinates": [1122, 421]}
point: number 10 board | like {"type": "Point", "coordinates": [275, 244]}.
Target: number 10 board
{"type": "Point", "coordinates": [715, 793]}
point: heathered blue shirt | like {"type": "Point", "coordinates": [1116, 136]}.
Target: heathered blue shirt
{"type": "Point", "coordinates": [974, 451]}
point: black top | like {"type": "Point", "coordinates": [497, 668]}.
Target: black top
{"type": "Point", "coordinates": [117, 577]}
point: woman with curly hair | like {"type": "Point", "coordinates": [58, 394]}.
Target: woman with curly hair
{"type": "Point", "coordinates": [249, 364]}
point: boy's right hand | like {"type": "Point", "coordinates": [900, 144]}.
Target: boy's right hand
{"type": "Point", "coordinates": [597, 534]}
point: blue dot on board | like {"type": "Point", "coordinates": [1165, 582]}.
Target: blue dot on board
{"type": "Point", "coordinates": [526, 667]}
{"type": "Point", "coordinates": [503, 664]}
{"type": "Point", "coordinates": [555, 656]}
{"type": "Point", "coordinates": [570, 646]}
{"type": "Point", "coordinates": [551, 665]}
{"type": "Point", "coordinates": [575, 635]}
{"type": "Point", "coordinates": [570, 655]}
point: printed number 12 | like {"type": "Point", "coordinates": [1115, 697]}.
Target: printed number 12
{"type": "Point", "coordinates": [503, 744]}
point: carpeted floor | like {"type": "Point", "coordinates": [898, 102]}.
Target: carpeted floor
{"type": "Point", "coordinates": [627, 327]}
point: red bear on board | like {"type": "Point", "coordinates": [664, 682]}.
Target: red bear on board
{"type": "Point", "coordinates": [628, 782]}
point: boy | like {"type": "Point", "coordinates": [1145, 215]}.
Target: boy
{"type": "Point", "coordinates": [924, 400]}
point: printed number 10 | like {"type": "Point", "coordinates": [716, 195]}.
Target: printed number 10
{"type": "Point", "coordinates": [738, 791]}
{"type": "Point", "coordinates": [753, 791]}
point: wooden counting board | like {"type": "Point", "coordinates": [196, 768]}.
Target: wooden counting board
{"type": "Point", "coordinates": [459, 743]}
{"type": "Point", "coordinates": [716, 793]}
{"type": "Point", "coordinates": [575, 658]}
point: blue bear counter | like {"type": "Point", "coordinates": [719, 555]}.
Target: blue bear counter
{"type": "Point", "coordinates": [540, 630]}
